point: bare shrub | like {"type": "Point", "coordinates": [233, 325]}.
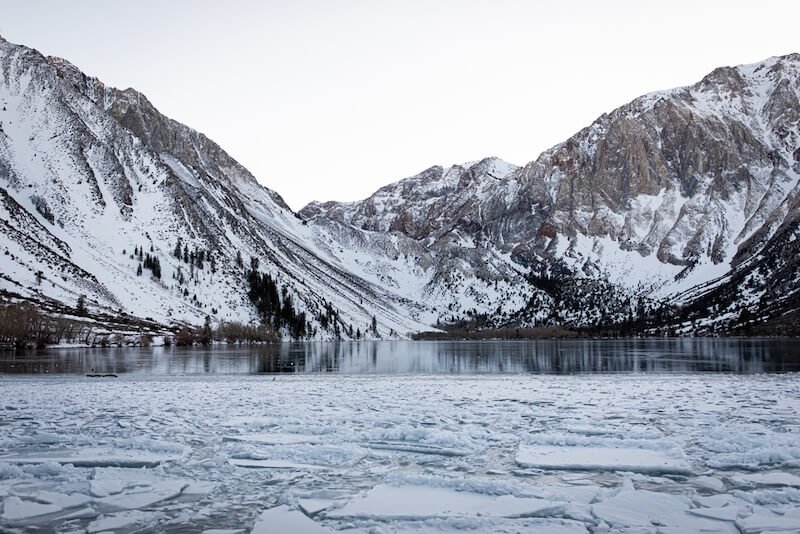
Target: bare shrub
{"type": "Point", "coordinates": [235, 332]}
{"type": "Point", "coordinates": [186, 337]}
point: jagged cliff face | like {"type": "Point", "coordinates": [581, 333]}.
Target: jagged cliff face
{"type": "Point", "coordinates": [660, 196]}
{"type": "Point", "coordinates": [89, 173]}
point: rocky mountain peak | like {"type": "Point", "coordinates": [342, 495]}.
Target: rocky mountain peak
{"type": "Point", "coordinates": [679, 198]}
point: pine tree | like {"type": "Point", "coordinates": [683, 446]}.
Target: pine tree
{"type": "Point", "coordinates": [139, 270]}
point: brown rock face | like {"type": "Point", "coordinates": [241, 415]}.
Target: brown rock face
{"type": "Point", "coordinates": [696, 175]}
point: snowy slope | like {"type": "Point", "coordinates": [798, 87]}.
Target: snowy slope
{"type": "Point", "coordinates": [668, 194]}
{"type": "Point", "coordinates": [90, 175]}
{"type": "Point", "coordinates": [684, 199]}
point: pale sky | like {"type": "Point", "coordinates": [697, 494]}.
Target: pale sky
{"type": "Point", "coordinates": [330, 100]}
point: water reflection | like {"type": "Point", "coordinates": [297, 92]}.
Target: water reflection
{"type": "Point", "coordinates": [729, 355]}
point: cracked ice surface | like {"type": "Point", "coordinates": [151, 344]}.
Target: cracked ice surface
{"type": "Point", "coordinates": [310, 453]}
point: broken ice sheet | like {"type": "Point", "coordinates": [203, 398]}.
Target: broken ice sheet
{"type": "Point", "coordinates": [123, 520]}
{"type": "Point", "coordinates": [310, 435]}
{"type": "Point", "coordinates": [421, 502]}
{"type": "Point", "coordinates": [596, 458]}
{"type": "Point", "coordinates": [283, 519]}
{"type": "Point", "coordinates": [92, 457]}
{"type": "Point", "coordinates": [16, 509]}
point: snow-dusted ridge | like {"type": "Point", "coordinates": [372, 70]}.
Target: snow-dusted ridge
{"type": "Point", "coordinates": [658, 198]}
{"type": "Point", "coordinates": [89, 174]}
{"type": "Point", "coordinates": [647, 205]}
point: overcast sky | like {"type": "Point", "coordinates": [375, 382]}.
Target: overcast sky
{"type": "Point", "coordinates": [329, 100]}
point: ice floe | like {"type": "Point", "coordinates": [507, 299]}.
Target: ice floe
{"type": "Point", "coordinates": [402, 454]}
{"type": "Point", "coordinates": [422, 502]}
{"type": "Point", "coordinates": [91, 457]}
{"type": "Point", "coordinates": [282, 519]}
{"type": "Point", "coordinates": [602, 458]}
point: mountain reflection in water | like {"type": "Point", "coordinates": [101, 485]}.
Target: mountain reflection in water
{"type": "Point", "coordinates": [679, 355]}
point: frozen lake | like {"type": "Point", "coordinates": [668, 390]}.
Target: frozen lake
{"type": "Point", "coordinates": [576, 436]}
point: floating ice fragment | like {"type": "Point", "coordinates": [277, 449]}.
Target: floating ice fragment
{"type": "Point", "coordinates": [105, 486]}
{"type": "Point", "coordinates": [272, 464]}
{"type": "Point", "coordinates": [199, 487]}
{"type": "Point", "coordinates": [63, 500]}
{"type": "Point", "coordinates": [123, 520]}
{"type": "Point", "coordinates": [602, 459]}
{"type": "Point", "coordinates": [723, 513]}
{"type": "Point", "coordinates": [15, 509]}
{"type": "Point", "coordinates": [423, 502]}
{"type": "Point", "coordinates": [639, 508]}
{"type": "Point", "coordinates": [415, 447]}
{"type": "Point", "coordinates": [283, 519]}
{"type": "Point", "coordinates": [144, 497]}
{"type": "Point", "coordinates": [710, 483]}
{"type": "Point", "coordinates": [766, 522]}
{"type": "Point", "coordinates": [92, 457]}
{"type": "Point", "coordinates": [314, 506]}
{"type": "Point", "coordinates": [268, 438]}
{"type": "Point", "coordinates": [773, 478]}
{"type": "Point", "coordinates": [82, 513]}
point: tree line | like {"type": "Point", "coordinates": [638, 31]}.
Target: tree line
{"type": "Point", "coordinates": [23, 325]}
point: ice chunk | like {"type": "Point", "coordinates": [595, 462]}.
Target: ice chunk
{"type": "Point", "coordinates": [15, 509]}
{"type": "Point", "coordinates": [422, 502]}
{"type": "Point", "coordinates": [723, 513]}
{"type": "Point", "coordinates": [123, 520]}
{"type": "Point", "coordinates": [82, 513]}
{"type": "Point", "coordinates": [314, 506]}
{"type": "Point", "coordinates": [272, 464]}
{"type": "Point", "coordinates": [283, 519]}
{"type": "Point", "coordinates": [142, 497]}
{"type": "Point", "coordinates": [92, 457]}
{"type": "Point", "coordinates": [766, 522]}
{"type": "Point", "coordinates": [757, 458]}
{"type": "Point", "coordinates": [199, 488]}
{"type": "Point", "coordinates": [639, 508]}
{"type": "Point", "coordinates": [602, 459]}
{"type": "Point", "coordinates": [106, 486]}
{"type": "Point", "coordinates": [416, 447]}
{"type": "Point", "coordinates": [268, 438]}
{"type": "Point", "coordinates": [71, 500]}
{"type": "Point", "coordinates": [772, 478]}
{"type": "Point", "coordinates": [708, 482]}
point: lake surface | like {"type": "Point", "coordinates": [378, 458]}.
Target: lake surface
{"type": "Point", "coordinates": [570, 436]}
{"type": "Point", "coordinates": [681, 355]}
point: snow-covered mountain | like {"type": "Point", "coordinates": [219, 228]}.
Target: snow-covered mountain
{"type": "Point", "coordinates": [680, 195]}
{"type": "Point", "coordinates": [680, 206]}
{"type": "Point", "coordinates": [95, 183]}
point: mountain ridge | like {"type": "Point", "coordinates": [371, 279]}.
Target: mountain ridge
{"type": "Point", "coordinates": [695, 159]}
{"type": "Point", "coordinates": [678, 205]}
